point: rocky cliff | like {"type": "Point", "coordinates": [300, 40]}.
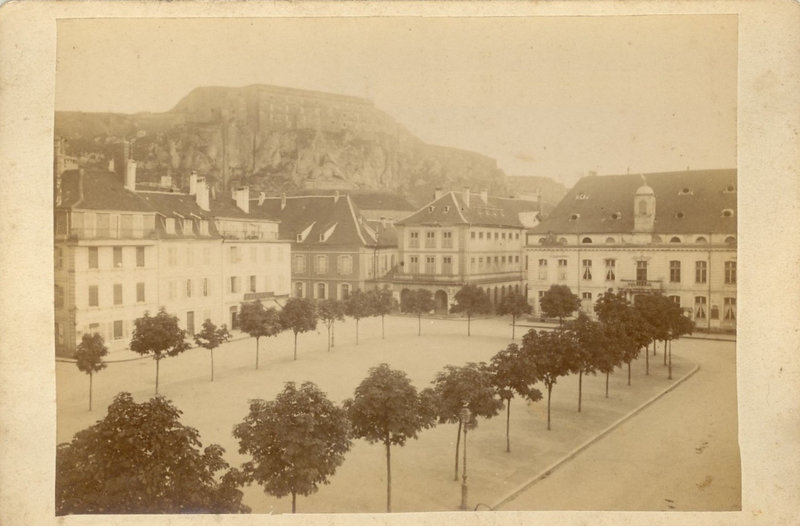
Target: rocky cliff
{"type": "Point", "coordinates": [278, 139]}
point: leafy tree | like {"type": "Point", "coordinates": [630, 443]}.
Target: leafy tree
{"type": "Point", "coordinates": [471, 386]}
{"type": "Point", "coordinates": [297, 441]}
{"type": "Point", "coordinates": [210, 338]}
{"type": "Point", "coordinates": [559, 302]}
{"type": "Point", "coordinates": [89, 357]}
{"type": "Point", "coordinates": [513, 375]}
{"type": "Point", "coordinates": [383, 303]}
{"type": "Point", "coordinates": [158, 335]}
{"type": "Point", "coordinates": [258, 321]}
{"type": "Point", "coordinates": [590, 345]}
{"type": "Point", "coordinates": [141, 459]}
{"type": "Point", "coordinates": [471, 299]}
{"type": "Point", "coordinates": [386, 408]}
{"type": "Point", "coordinates": [358, 305]}
{"type": "Point", "coordinates": [653, 308]}
{"type": "Point", "coordinates": [549, 353]}
{"type": "Point", "coordinates": [418, 301]}
{"type": "Point", "coordinates": [329, 311]}
{"type": "Point", "coordinates": [299, 315]}
{"type": "Point", "coordinates": [515, 304]}
{"type": "Point", "coordinates": [611, 352]}
{"type": "Point", "coordinates": [625, 326]}
{"type": "Point", "coordinates": [678, 325]}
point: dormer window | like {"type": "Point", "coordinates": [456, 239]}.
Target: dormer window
{"type": "Point", "coordinates": [430, 209]}
{"type": "Point", "coordinates": [586, 240]}
{"type": "Point", "coordinates": [727, 213]}
{"type": "Point", "coordinates": [730, 189]}
{"type": "Point", "coordinates": [327, 234]}
{"type": "Point", "coordinates": [730, 240]}
{"type": "Point", "coordinates": [616, 215]}
{"type": "Point", "coordinates": [675, 239]}
{"type": "Point", "coordinates": [581, 196]}
{"type": "Point", "coordinates": [701, 239]}
{"type": "Point", "coordinates": [685, 191]}
{"type": "Point", "coordinates": [203, 225]}
{"type": "Point", "coordinates": [446, 209]}
{"type": "Point", "coordinates": [574, 217]}
{"type": "Point", "coordinates": [679, 215]}
{"type": "Point", "coordinates": [187, 227]}
{"type": "Point", "coordinates": [169, 225]}
{"type": "Point", "coordinates": [299, 238]}
{"type": "Point", "coordinates": [610, 241]}
{"type": "Point", "coordinates": [304, 234]}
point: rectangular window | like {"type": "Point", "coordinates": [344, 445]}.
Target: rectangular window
{"type": "Point", "coordinates": [413, 241]}
{"type": "Point", "coordinates": [586, 296]}
{"type": "Point", "coordinates": [190, 322]}
{"type": "Point", "coordinates": [172, 256]}
{"type": "Point", "coordinates": [117, 329]}
{"type": "Point", "coordinates": [93, 259]}
{"type": "Point", "coordinates": [562, 269]}
{"type": "Point", "coordinates": [641, 271]}
{"type": "Point", "coordinates": [345, 265]}
{"type": "Point", "coordinates": [611, 269]}
{"type": "Point", "coordinates": [252, 283]}
{"type": "Point", "coordinates": [675, 271]}
{"type": "Point", "coordinates": [205, 286]}
{"type": "Point", "coordinates": [117, 294]}
{"type": "Point", "coordinates": [59, 292]}
{"type": "Point", "coordinates": [117, 257]}
{"type": "Point", "coordinates": [714, 312]}
{"type": "Point", "coordinates": [59, 258]}
{"type": "Point", "coordinates": [413, 265]}
{"type": "Point", "coordinates": [298, 289]}
{"type": "Point", "coordinates": [94, 301]}
{"type": "Point", "coordinates": [321, 291]}
{"type": "Point", "coordinates": [472, 264]}
{"type": "Point", "coordinates": [730, 272]}
{"type": "Point", "coordinates": [503, 236]}
{"type": "Point", "coordinates": [188, 288]}
{"type": "Point", "coordinates": [447, 239]}
{"type": "Point", "coordinates": [139, 256]}
{"type": "Point", "coordinates": [447, 265]}
{"type": "Point", "coordinates": [203, 227]}
{"type": "Point", "coordinates": [299, 263]}
{"type": "Point", "coordinates": [480, 235]}
{"type": "Point", "coordinates": [345, 291]}
{"type": "Point", "coordinates": [234, 254]}
{"type": "Point", "coordinates": [186, 226]}
{"type": "Point", "coordinates": [430, 239]}
{"type": "Point", "coordinates": [140, 292]}
{"type": "Point", "coordinates": [587, 269]}
{"type": "Point", "coordinates": [503, 260]}
{"type": "Point", "coordinates": [430, 264]}
{"type": "Point", "coordinates": [526, 262]}
{"type": "Point", "coordinates": [173, 289]}
{"type": "Point", "coordinates": [729, 309]}
{"type": "Point", "coordinates": [322, 264]}
{"type": "Point", "coordinates": [700, 272]}
{"type": "Point", "coordinates": [472, 235]}
{"type": "Point", "coordinates": [700, 307]}
{"type": "Point", "coordinates": [169, 225]}
{"type": "Point", "coordinates": [676, 300]}
{"type": "Point", "coordinates": [234, 284]}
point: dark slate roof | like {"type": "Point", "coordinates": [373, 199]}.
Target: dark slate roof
{"type": "Point", "coordinates": [321, 211]}
{"type": "Point", "coordinates": [686, 202]}
{"type": "Point", "coordinates": [450, 209]}
{"type": "Point", "coordinates": [178, 206]}
{"type": "Point", "coordinates": [365, 200]}
{"type": "Point", "coordinates": [385, 232]}
{"type": "Point", "coordinates": [98, 190]}
{"type": "Point", "coordinates": [225, 207]}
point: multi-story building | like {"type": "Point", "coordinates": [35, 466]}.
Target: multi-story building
{"type": "Point", "coordinates": [461, 238]}
{"type": "Point", "coordinates": [121, 250]}
{"type": "Point", "coordinates": [668, 232]}
{"type": "Point", "coordinates": [334, 248]}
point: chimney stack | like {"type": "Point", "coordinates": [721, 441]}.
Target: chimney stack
{"type": "Point", "coordinates": [111, 166]}
{"type": "Point", "coordinates": [130, 175]}
{"type": "Point", "coordinates": [336, 196]}
{"type": "Point", "coordinates": [166, 181]}
{"type": "Point", "coordinates": [261, 197]}
{"type": "Point", "coordinates": [283, 200]}
{"type": "Point", "coordinates": [465, 196]}
{"type": "Point", "coordinates": [201, 193]}
{"type": "Point", "coordinates": [485, 196]}
{"type": "Point", "coordinates": [437, 193]}
{"type": "Point", "coordinates": [242, 197]}
{"type": "Point", "coordinates": [193, 183]}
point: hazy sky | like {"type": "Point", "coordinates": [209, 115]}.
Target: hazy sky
{"type": "Point", "coordinates": [552, 96]}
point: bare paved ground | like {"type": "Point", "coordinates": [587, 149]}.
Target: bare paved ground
{"type": "Point", "coordinates": [422, 471]}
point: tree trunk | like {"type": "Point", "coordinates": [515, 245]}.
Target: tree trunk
{"type": "Point", "coordinates": [629, 373]}
{"type": "Point", "coordinates": [333, 335]}
{"type": "Point", "coordinates": [356, 331]}
{"type": "Point", "coordinates": [257, 353]}
{"type": "Point", "coordinates": [158, 362]}
{"type": "Point", "coordinates": [549, 391]}
{"type": "Point", "coordinates": [458, 445]}
{"type": "Point", "coordinates": [513, 327]}
{"type": "Point", "coordinates": [90, 390]}
{"type": "Point", "coordinates": [212, 364]}
{"type": "Point", "coordinates": [665, 352]}
{"type": "Point", "coordinates": [580, 389]}
{"type": "Point", "coordinates": [508, 426]}
{"type": "Point", "coordinates": [388, 476]}
{"type": "Point", "coordinates": [607, 384]}
{"type": "Point", "coordinates": [647, 361]}
{"type": "Point", "coordinates": [655, 346]}
{"type": "Point", "coordinates": [295, 346]}
{"type": "Point", "coordinates": [419, 324]}
{"type": "Point", "coordinates": [469, 319]}
{"type": "Point", "coordinates": [294, 501]}
{"type": "Point", "coordinates": [670, 360]}
{"type": "Point", "coordinates": [329, 338]}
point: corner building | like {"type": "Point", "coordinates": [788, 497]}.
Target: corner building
{"type": "Point", "coordinates": [673, 233]}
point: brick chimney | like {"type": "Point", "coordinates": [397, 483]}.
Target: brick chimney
{"type": "Point", "coordinates": [193, 183]}
{"type": "Point", "coordinates": [130, 175]}
{"type": "Point", "coordinates": [437, 193]}
{"type": "Point", "coordinates": [465, 196]}
{"type": "Point", "coordinates": [242, 197]}
{"type": "Point", "coordinates": [283, 200]}
{"type": "Point", "coordinates": [261, 197]}
{"type": "Point", "coordinates": [201, 192]}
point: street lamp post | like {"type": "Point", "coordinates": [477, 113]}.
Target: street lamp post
{"type": "Point", "coordinates": [466, 414]}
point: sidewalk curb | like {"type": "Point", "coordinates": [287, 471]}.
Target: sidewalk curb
{"type": "Point", "coordinates": [569, 456]}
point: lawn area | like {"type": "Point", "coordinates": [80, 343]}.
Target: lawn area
{"type": "Point", "coordinates": [422, 471]}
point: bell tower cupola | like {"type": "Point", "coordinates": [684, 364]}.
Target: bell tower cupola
{"type": "Point", "coordinates": [644, 208]}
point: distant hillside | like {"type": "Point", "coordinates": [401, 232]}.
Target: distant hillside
{"type": "Point", "coordinates": [278, 139]}
{"type": "Point", "coordinates": [551, 190]}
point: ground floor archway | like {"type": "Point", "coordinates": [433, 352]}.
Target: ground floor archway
{"type": "Point", "coordinates": [440, 302]}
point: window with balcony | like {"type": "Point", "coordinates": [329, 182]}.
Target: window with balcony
{"type": "Point", "coordinates": [413, 241]}
{"type": "Point", "coordinates": [413, 265]}
{"type": "Point", "coordinates": [252, 283]}
{"type": "Point", "coordinates": [117, 294]}
{"type": "Point", "coordinates": [700, 307]}
{"type": "Point", "coordinates": [322, 264]}
{"type": "Point", "coordinates": [430, 264]}
{"type": "Point", "coordinates": [587, 269]}
{"type": "Point", "coordinates": [139, 256]}
{"type": "Point", "coordinates": [729, 309]}
{"type": "Point", "coordinates": [611, 269]}
{"type": "Point", "coordinates": [140, 293]}
{"type": "Point", "coordinates": [299, 263]}
{"type": "Point", "coordinates": [700, 271]}
{"type": "Point", "coordinates": [430, 239]}
{"type": "Point", "coordinates": [447, 239]}
{"type": "Point", "coordinates": [345, 265]}
{"type": "Point", "coordinates": [447, 265]}
{"type": "Point", "coordinates": [730, 272]}
{"type": "Point", "coordinates": [93, 257]}
{"type": "Point", "coordinates": [641, 271]}
{"type": "Point", "coordinates": [675, 271]}
{"type": "Point", "coordinates": [562, 269]}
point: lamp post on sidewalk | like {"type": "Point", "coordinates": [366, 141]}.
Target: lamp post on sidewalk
{"type": "Point", "coordinates": [465, 414]}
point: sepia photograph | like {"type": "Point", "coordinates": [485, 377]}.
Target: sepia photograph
{"type": "Point", "coordinates": [333, 265]}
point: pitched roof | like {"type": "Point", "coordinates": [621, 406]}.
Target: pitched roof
{"type": "Point", "coordinates": [366, 200]}
{"type": "Point", "coordinates": [98, 190]}
{"type": "Point", "coordinates": [336, 219]}
{"type": "Point", "coordinates": [686, 202]}
{"type": "Point", "coordinates": [450, 209]}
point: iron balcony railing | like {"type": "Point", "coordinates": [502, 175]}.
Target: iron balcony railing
{"type": "Point", "coordinates": [120, 233]}
{"type": "Point", "coordinates": [238, 234]}
{"type": "Point", "coordinates": [647, 284]}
